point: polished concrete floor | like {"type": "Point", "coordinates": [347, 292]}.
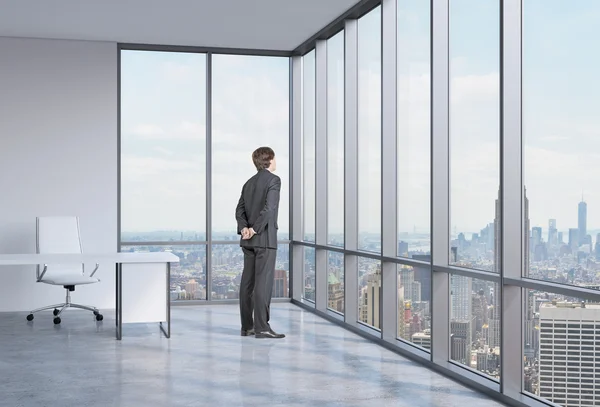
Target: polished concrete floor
{"type": "Point", "coordinates": [207, 363]}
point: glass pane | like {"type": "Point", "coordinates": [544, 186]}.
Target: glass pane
{"type": "Point", "coordinates": [369, 291]}
{"type": "Point", "coordinates": [335, 140]}
{"type": "Point", "coordinates": [228, 265]}
{"type": "Point", "coordinates": [335, 281]}
{"type": "Point", "coordinates": [250, 97]}
{"type": "Point", "coordinates": [309, 274]}
{"type": "Point", "coordinates": [163, 146]}
{"type": "Point", "coordinates": [561, 349]}
{"type": "Point", "coordinates": [560, 136]}
{"type": "Point", "coordinates": [308, 144]}
{"type": "Point", "coordinates": [413, 128]}
{"type": "Point", "coordinates": [475, 324]}
{"type": "Point", "coordinates": [188, 277]}
{"type": "Point", "coordinates": [474, 132]}
{"type": "Point", "coordinates": [369, 131]}
{"type": "Point", "coordinates": [414, 305]}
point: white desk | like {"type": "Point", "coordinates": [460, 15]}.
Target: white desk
{"type": "Point", "coordinates": [135, 311]}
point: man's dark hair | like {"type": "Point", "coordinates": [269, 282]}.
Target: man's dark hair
{"type": "Point", "coordinates": [262, 157]}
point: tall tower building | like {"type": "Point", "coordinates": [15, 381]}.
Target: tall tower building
{"type": "Point", "coordinates": [412, 288]}
{"type": "Point", "coordinates": [280, 284]}
{"type": "Point", "coordinates": [423, 276]}
{"type": "Point", "coordinates": [480, 310]}
{"type": "Point", "coordinates": [536, 237]}
{"type": "Point", "coordinates": [461, 341]}
{"type": "Point", "coordinates": [493, 338]}
{"type": "Point", "coordinates": [552, 233]}
{"type": "Point", "coordinates": [574, 240]}
{"type": "Point", "coordinates": [582, 221]}
{"type": "Point", "coordinates": [368, 308]}
{"type": "Point", "coordinates": [403, 332]}
{"type": "Point", "coordinates": [461, 291]}
{"type": "Point", "coordinates": [462, 319]}
{"type": "Point", "coordinates": [335, 292]}
{"type": "Point", "coordinates": [567, 333]}
{"type": "Point", "coordinates": [369, 299]}
{"type": "Point", "coordinates": [406, 276]}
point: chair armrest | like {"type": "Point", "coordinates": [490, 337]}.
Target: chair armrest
{"type": "Point", "coordinates": [96, 269]}
{"type": "Point", "coordinates": [43, 272]}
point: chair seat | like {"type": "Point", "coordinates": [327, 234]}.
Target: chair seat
{"type": "Point", "coordinates": [69, 279]}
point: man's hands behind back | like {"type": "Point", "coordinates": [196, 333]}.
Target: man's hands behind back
{"type": "Point", "coordinates": [248, 233]}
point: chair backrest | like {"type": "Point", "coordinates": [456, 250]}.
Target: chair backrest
{"type": "Point", "coordinates": [59, 234]}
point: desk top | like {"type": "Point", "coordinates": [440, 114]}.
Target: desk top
{"type": "Point", "coordinates": [34, 259]}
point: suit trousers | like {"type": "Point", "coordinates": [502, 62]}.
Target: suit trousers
{"type": "Point", "coordinates": [256, 287]}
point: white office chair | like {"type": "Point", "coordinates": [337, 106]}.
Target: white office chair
{"type": "Point", "coordinates": [60, 234]}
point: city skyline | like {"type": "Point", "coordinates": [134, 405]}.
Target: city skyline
{"type": "Point", "coordinates": [415, 230]}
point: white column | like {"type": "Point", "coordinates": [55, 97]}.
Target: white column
{"type": "Point", "coordinates": [389, 182]}
{"type": "Point", "coordinates": [511, 190]}
{"type": "Point", "coordinates": [440, 199]}
{"type": "Point", "coordinates": [296, 223]}
{"type": "Point", "coordinates": [321, 175]}
{"type": "Point", "coordinates": [351, 171]}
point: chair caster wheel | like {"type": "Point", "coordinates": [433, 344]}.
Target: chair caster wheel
{"type": "Point", "coordinates": [55, 312]}
{"type": "Point", "coordinates": [99, 317]}
{"type": "Point", "coordinates": [30, 317]}
{"type": "Point", "coordinates": [56, 320]}
{"type": "Point", "coordinates": [96, 313]}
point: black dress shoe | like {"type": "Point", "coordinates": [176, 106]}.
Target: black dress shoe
{"type": "Point", "coordinates": [269, 334]}
{"type": "Point", "coordinates": [247, 332]}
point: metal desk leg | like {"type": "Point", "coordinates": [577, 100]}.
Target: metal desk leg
{"type": "Point", "coordinates": [119, 272]}
{"type": "Point", "coordinates": [167, 332]}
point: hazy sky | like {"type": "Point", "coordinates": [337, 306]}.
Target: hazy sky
{"type": "Point", "coordinates": [163, 122]}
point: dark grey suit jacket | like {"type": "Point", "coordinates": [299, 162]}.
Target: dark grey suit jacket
{"type": "Point", "coordinates": [258, 208]}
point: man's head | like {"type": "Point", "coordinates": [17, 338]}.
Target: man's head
{"type": "Point", "coordinates": [264, 159]}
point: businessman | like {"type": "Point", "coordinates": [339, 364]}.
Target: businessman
{"type": "Point", "coordinates": [256, 216]}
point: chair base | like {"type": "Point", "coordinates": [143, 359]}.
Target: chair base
{"type": "Point", "coordinates": [59, 308]}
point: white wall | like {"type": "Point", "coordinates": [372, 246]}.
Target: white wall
{"type": "Point", "coordinates": [58, 156]}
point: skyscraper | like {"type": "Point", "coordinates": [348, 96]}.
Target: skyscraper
{"type": "Point", "coordinates": [423, 275]}
{"type": "Point", "coordinates": [582, 221]}
{"type": "Point", "coordinates": [552, 233]}
{"type": "Point", "coordinates": [574, 239]}
{"type": "Point", "coordinates": [335, 292]}
{"type": "Point", "coordinates": [462, 319]}
{"type": "Point", "coordinates": [368, 307]}
{"type": "Point", "coordinates": [461, 341]}
{"type": "Point", "coordinates": [536, 237]}
{"type": "Point", "coordinates": [567, 332]}
{"type": "Point", "coordinates": [280, 284]}
{"type": "Point", "coordinates": [460, 298]}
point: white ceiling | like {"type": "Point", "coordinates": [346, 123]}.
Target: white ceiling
{"type": "Point", "coordinates": [255, 24]}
